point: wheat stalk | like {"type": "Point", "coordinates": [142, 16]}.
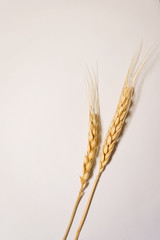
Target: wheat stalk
{"type": "Point", "coordinates": [116, 125]}
{"type": "Point", "coordinates": [93, 142]}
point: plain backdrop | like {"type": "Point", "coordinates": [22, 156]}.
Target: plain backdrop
{"type": "Point", "coordinates": [44, 48]}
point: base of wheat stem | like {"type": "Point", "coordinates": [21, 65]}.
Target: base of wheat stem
{"type": "Point", "coordinates": [80, 195]}
{"type": "Point", "coordinates": [87, 206]}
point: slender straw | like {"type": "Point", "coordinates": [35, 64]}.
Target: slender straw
{"type": "Point", "coordinates": [80, 195]}
{"type": "Point", "coordinates": [87, 206]}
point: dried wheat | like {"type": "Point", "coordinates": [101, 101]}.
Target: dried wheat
{"type": "Point", "coordinates": [116, 125]}
{"type": "Point", "coordinates": [93, 142]}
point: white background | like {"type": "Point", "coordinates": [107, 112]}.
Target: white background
{"type": "Point", "coordinates": [44, 48]}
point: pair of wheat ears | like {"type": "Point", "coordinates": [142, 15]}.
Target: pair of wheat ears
{"type": "Point", "coordinates": [112, 136]}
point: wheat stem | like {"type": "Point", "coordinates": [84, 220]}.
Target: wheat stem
{"type": "Point", "coordinates": [87, 206]}
{"type": "Point", "coordinates": [80, 195]}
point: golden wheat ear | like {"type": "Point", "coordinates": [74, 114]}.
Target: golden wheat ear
{"type": "Point", "coordinates": [94, 128]}
{"type": "Point", "coordinates": [93, 141]}
{"type": "Point", "coordinates": [117, 124]}
{"type": "Point", "coordinates": [123, 107]}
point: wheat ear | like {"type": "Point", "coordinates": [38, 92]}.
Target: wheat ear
{"type": "Point", "coordinates": [94, 131]}
{"type": "Point", "coordinates": [116, 126]}
{"type": "Point", "coordinates": [93, 142]}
